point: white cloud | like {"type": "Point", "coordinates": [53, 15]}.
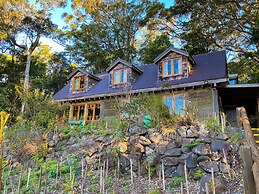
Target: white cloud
{"type": "Point", "coordinates": [55, 47]}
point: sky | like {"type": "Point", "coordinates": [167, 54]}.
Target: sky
{"type": "Point", "coordinates": [58, 20]}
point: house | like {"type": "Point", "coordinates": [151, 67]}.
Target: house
{"type": "Point", "coordinates": [181, 80]}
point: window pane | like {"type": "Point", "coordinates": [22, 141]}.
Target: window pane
{"type": "Point", "coordinates": [82, 82]}
{"type": "Point", "coordinates": [76, 83]}
{"type": "Point", "coordinates": [75, 111]}
{"type": "Point", "coordinates": [167, 68]}
{"type": "Point", "coordinates": [116, 76]}
{"type": "Point", "coordinates": [168, 103]}
{"type": "Point", "coordinates": [179, 104]}
{"type": "Point", "coordinates": [177, 67]}
{"type": "Point", "coordinates": [123, 75]}
{"type": "Point", "coordinates": [81, 112]}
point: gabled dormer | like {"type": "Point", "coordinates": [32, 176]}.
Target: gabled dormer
{"type": "Point", "coordinates": [81, 80]}
{"type": "Point", "coordinates": [174, 64]}
{"type": "Point", "coordinates": [122, 73]}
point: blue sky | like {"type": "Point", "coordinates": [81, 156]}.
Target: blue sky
{"type": "Point", "coordinates": [57, 19]}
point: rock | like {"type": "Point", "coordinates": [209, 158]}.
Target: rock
{"type": "Point", "coordinates": [55, 138]}
{"type": "Point", "coordinates": [209, 165]}
{"type": "Point", "coordinates": [180, 170]}
{"type": "Point", "coordinates": [173, 152]}
{"type": "Point", "coordinates": [218, 184]}
{"type": "Point", "coordinates": [192, 133]}
{"type": "Point", "coordinates": [203, 158]}
{"type": "Point", "coordinates": [169, 171]}
{"type": "Point", "coordinates": [162, 147]}
{"type": "Point", "coordinates": [170, 161]}
{"type": "Point", "coordinates": [205, 139]}
{"type": "Point", "coordinates": [155, 137]}
{"type": "Point", "coordinates": [202, 149]}
{"type": "Point", "coordinates": [187, 141]}
{"type": "Point", "coordinates": [153, 146]}
{"type": "Point", "coordinates": [182, 131]}
{"type": "Point", "coordinates": [191, 160]}
{"type": "Point", "coordinates": [185, 149]}
{"type": "Point", "coordinates": [148, 150]}
{"type": "Point", "coordinates": [172, 144]}
{"type": "Point", "coordinates": [222, 136]}
{"type": "Point", "coordinates": [223, 167]}
{"type": "Point", "coordinates": [218, 145]}
{"type": "Point", "coordinates": [123, 146]}
{"type": "Point", "coordinates": [99, 139]}
{"type": "Point", "coordinates": [144, 141]}
{"type": "Point", "coordinates": [108, 140]}
{"type": "Point", "coordinates": [124, 163]}
{"type": "Point", "coordinates": [134, 129]}
{"type": "Point", "coordinates": [216, 156]}
{"type": "Point", "coordinates": [137, 148]}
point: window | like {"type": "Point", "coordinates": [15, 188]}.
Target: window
{"type": "Point", "coordinates": [175, 104]}
{"type": "Point", "coordinates": [78, 112]}
{"type": "Point", "coordinates": [85, 112]}
{"type": "Point", "coordinates": [119, 76]}
{"type": "Point", "coordinates": [78, 83]}
{"type": "Point", "coordinates": [171, 67]}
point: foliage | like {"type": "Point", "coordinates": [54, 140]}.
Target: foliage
{"type": "Point", "coordinates": [236, 137]}
{"type": "Point", "coordinates": [152, 49]}
{"type": "Point", "coordinates": [198, 174]}
{"type": "Point", "coordinates": [177, 181]}
{"type": "Point", "coordinates": [193, 143]}
{"type": "Point", "coordinates": [104, 32]}
{"type": "Point", "coordinates": [154, 191]}
{"type": "Point", "coordinates": [212, 123]}
{"type": "Point", "coordinates": [29, 129]}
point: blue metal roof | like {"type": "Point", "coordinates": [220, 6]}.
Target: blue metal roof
{"type": "Point", "coordinates": [208, 66]}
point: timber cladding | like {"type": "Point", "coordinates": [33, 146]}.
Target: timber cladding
{"type": "Point", "coordinates": [198, 100]}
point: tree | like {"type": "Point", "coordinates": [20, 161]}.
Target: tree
{"type": "Point", "coordinates": [22, 35]}
{"type": "Point", "coordinates": [211, 25]}
{"type": "Point", "coordinates": [104, 32]}
{"type": "Point", "coordinates": [153, 48]}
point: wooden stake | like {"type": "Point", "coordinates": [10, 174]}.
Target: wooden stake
{"type": "Point", "coordinates": [101, 179]}
{"type": "Point", "coordinates": [39, 186]}
{"type": "Point", "coordinates": [163, 175]}
{"type": "Point", "coordinates": [28, 179]}
{"type": "Point", "coordinates": [61, 163]}
{"type": "Point", "coordinates": [186, 178]}
{"type": "Point", "coordinates": [57, 173]}
{"type": "Point", "coordinates": [207, 188]}
{"type": "Point", "coordinates": [107, 168]}
{"type": "Point", "coordinates": [149, 178]}
{"type": "Point", "coordinates": [82, 177]}
{"type": "Point", "coordinates": [46, 180]}
{"type": "Point", "coordinates": [118, 167]}
{"type": "Point", "coordinates": [131, 171]}
{"type": "Point", "coordinates": [139, 170]}
{"type": "Point", "coordinates": [70, 173]}
{"type": "Point", "coordinates": [20, 181]}
{"type": "Point", "coordinates": [226, 161]}
{"type": "Point", "coordinates": [181, 187]}
{"type": "Point", "coordinates": [213, 181]}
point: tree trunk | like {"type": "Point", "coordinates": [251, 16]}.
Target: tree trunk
{"type": "Point", "coordinates": [26, 80]}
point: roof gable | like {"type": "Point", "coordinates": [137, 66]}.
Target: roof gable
{"type": "Point", "coordinates": [83, 72]}
{"type": "Point", "coordinates": [176, 50]}
{"type": "Point", "coordinates": [119, 60]}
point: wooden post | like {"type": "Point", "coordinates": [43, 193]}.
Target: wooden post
{"type": "Point", "coordinates": [248, 178]}
{"type": "Point", "coordinates": [28, 179]}
{"type": "Point", "coordinates": [186, 178]}
{"type": "Point", "coordinates": [163, 175]}
{"type": "Point", "coordinates": [253, 146]}
{"type": "Point", "coordinates": [39, 186]}
{"type": "Point", "coordinates": [131, 170]}
{"type": "Point", "coordinates": [3, 119]}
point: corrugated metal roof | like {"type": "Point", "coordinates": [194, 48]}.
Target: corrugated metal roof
{"type": "Point", "coordinates": [208, 66]}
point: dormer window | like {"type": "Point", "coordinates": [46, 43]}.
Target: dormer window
{"type": "Point", "coordinates": [171, 67]}
{"type": "Point", "coordinates": [78, 83]}
{"type": "Point", "coordinates": [119, 76]}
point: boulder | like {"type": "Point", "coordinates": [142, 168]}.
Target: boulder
{"type": "Point", "coordinates": [191, 160]}
{"type": "Point", "coordinates": [192, 133]}
{"type": "Point", "coordinates": [144, 141]}
{"type": "Point", "coordinates": [219, 185]}
{"type": "Point", "coordinates": [180, 170]}
{"type": "Point", "coordinates": [202, 149]}
{"type": "Point", "coordinates": [155, 137]}
{"type": "Point", "coordinates": [182, 131]}
{"type": "Point", "coordinates": [209, 165]}
{"type": "Point", "coordinates": [170, 161]}
{"type": "Point", "coordinates": [203, 158]}
{"type": "Point", "coordinates": [169, 171]}
{"type": "Point", "coordinates": [123, 146]}
{"type": "Point", "coordinates": [172, 144]}
{"type": "Point", "coordinates": [162, 147]}
{"type": "Point", "coordinates": [148, 150]}
{"type": "Point", "coordinates": [173, 152]}
{"type": "Point", "coordinates": [218, 145]}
